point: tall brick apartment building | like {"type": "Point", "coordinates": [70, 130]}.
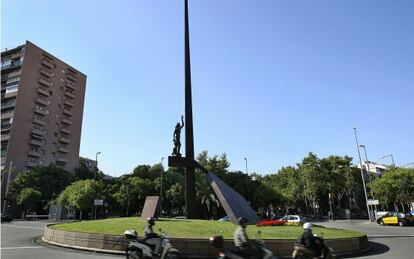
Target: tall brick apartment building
{"type": "Point", "coordinates": [42, 102]}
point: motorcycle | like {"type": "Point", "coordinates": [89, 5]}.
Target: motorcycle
{"type": "Point", "coordinates": [158, 248]}
{"type": "Point", "coordinates": [300, 251]}
{"type": "Point", "coordinates": [217, 242]}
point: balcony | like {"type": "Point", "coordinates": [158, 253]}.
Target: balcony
{"type": "Point", "coordinates": [65, 130]}
{"type": "Point", "coordinates": [45, 82]}
{"type": "Point", "coordinates": [46, 73]}
{"type": "Point", "coordinates": [67, 112]}
{"type": "Point", "coordinates": [5, 137]}
{"type": "Point", "coordinates": [64, 140]}
{"type": "Point", "coordinates": [71, 85]}
{"type": "Point", "coordinates": [11, 94]}
{"type": "Point", "coordinates": [63, 150]}
{"type": "Point", "coordinates": [71, 78]}
{"type": "Point", "coordinates": [43, 91]}
{"type": "Point", "coordinates": [42, 112]}
{"type": "Point", "coordinates": [62, 160]}
{"type": "Point", "coordinates": [14, 74]}
{"type": "Point", "coordinates": [6, 115]}
{"type": "Point", "coordinates": [42, 101]}
{"type": "Point", "coordinates": [36, 142]}
{"type": "Point", "coordinates": [37, 132]}
{"type": "Point", "coordinates": [69, 94]}
{"type": "Point", "coordinates": [5, 127]}
{"type": "Point", "coordinates": [8, 105]}
{"type": "Point", "coordinates": [47, 63]}
{"type": "Point", "coordinates": [38, 122]}
{"type": "Point", "coordinates": [66, 121]}
{"type": "Point", "coordinates": [68, 103]}
{"type": "Point", "coordinates": [34, 153]}
{"type": "Point", "coordinates": [31, 164]}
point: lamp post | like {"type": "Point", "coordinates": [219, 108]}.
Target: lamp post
{"type": "Point", "coordinates": [246, 165]}
{"type": "Point", "coordinates": [392, 158]}
{"type": "Point", "coordinates": [366, 163]}
{"type": "Point", "coordinates": [96, 165]}
{"type": "Point", "coordinates": [362, 174]}
{"type": "Point", "coordinates": [162, 158]}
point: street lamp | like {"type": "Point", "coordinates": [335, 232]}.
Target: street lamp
{"type": "Point", "coordinates": [366, 163]}
{"type": "Point", "coordinates": [392, 158]}
{"type": "Point", "coordinates": [362, 174]}
{"type": "Point", "coordinates": [246, 164]}
{"type": "Point", "coordinates": [162, 158]}
{"type": "Point", "coordinates": [96, 165]}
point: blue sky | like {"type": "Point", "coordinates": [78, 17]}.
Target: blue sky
{"type": "Point", "coordinates": [272, 80]}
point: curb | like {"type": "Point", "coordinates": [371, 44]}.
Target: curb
{"type": "Point", "coordinates": [90, 249]}
{"type": "Point", "coordinates": [384, 236]}
{"type": "Point", "coordinates": [189, 248]}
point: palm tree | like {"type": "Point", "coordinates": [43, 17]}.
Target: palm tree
{"type": "Point", "coordinates": [205, 195]}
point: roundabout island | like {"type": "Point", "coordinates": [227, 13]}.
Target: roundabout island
{"type": "Point", "coordinates": [191, 237]}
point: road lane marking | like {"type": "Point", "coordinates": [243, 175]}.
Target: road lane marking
{"type": "Point", "coordinates": [20, 247]}
{"type": "Point", "coordinates": [13, 226]}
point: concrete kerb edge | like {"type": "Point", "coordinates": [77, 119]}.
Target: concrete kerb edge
{"type": "Point", "coordinates": [90, 249]}
{"type": "Point", "coordinates": [357, 249]}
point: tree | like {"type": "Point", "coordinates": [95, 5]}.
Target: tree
{"type": "Point", "coordinates": [27, 196]}
{"type": "Point", "coordinates": [81, 195]}
{"type": "Point", "coordinates": [83, 173]}
{"type": "Point", "coordinates": [132, 193]}
{"type": "Point", "coordinates": [175, 194]}
{"type": "Point", "coordinates": [51, 180]}
{"type": "Point", "coordinates": [395, 187]}
{"type": "Point", "coordinates": [205, 196]}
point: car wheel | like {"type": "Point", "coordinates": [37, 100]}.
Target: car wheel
{"type": "Point", "coordinates": [401, 224]}
{"type": "Point", "coordinates": [382, 223]}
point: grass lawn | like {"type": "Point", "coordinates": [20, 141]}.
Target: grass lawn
{"type": "Point", "coordinates": [198, 229]}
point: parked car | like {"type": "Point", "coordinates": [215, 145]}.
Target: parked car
{"type": "Point", "coordinates": [380, 214]}
{"type": "Point", "coordinates": [226, 218]}
{"type": "Point", "coordinates": [293, 218]}
{"type": "Point", "coordinates": [6, 218]}
{"type": "Point", "coordinates": [396, 218]}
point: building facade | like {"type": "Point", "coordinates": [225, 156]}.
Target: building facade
{"type": "Point", "coordinates": [373, 167]}
{"type": "Point", "coordinates": [42, 101]}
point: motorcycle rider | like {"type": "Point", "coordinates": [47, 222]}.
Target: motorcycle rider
{"type": "Point", "coordinates": [312, 242]}
{"type": "Point", "coordinates": [150, 237]}
{"type": "Point", "coordinates": [244, 246]}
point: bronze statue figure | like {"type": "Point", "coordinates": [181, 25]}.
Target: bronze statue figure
{"type": "Point", "coordinates": [176, 137]}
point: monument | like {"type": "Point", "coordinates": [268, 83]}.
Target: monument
{"type": "Point", "coordinates": [233, 203]}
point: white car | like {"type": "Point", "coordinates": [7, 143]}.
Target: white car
{"type": "Point", "coordinates": [293, 218]}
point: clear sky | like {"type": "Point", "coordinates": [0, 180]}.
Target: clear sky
{"type": "Point", "coordinates": [272, 80]}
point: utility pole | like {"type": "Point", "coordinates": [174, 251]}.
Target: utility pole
{"type": "Point", "coordinates": [247, 172]}
{"type": "Point", "coordinates": [362, 174]}
{"type": "Point", "coordinates": [162, 158]}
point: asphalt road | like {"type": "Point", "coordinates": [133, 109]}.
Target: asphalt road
{"type": "Point", "coordinates": [386, 241]}
{"type": "Point", "coordinates": [18, 240]}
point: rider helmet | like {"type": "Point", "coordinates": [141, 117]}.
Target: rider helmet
{"type": "Point", "coordinates": [242, 221]}
{"type": "Point", "coordinates": [308, 226]}
{"type": "Point", "coordinates": [151, 220]}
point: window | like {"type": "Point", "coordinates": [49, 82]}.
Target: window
{"type": "Point", "coordinates": [13, 79]}
{"type": "Point", "coordinates": [63, 71]}
{"type": "Point", "coordinates": [12, 89]}
{"type": "Point", "coordinates": [6, 63]}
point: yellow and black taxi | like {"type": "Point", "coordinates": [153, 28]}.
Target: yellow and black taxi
{"type": "Point", "coordinates": [396, 218]}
